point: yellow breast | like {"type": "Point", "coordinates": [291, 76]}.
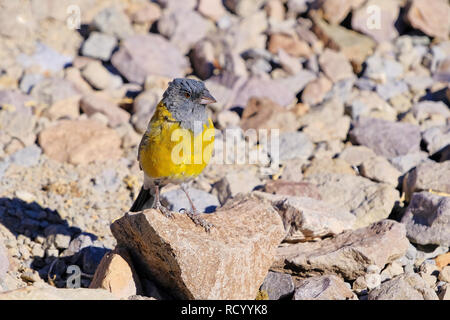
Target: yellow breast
{"type": "Point", "coordinates": [169, 151]}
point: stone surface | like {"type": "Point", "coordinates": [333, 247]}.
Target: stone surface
{"type": "Point", "coordinates": [292, 188]}
{"type": "Point", "coordinates": [4, 260]}
{"type": "Point", "coordinates": [306, 219]}
{"type": "Point", "coordinates": [430, 17]}
{"type": "Point", "coordinates": [436, 138]}
{"type": "Point", "coordinates": [80, 142]}
{"type": "Point", "coordinates": [99, 46]}
{"type": "Point", "coordinates": [294, 145]}
{"type": "Point", "coordinates": [113, 21]}
{"type": "Point", "coordinates": [380, 170]}
{"type": "Point", "coordinates": [367, 200]}
{"type": "Point", "coordinates": [335, 65]}
{"type": "Point", "coordinates": [212, 9]}
{"type": "Point", "coordinates": [427, 176]}
{"type": "Point", "coordinates": [316, 90]}
{"type": "Point", "coordinates": [290, 44]}
{"type": "Point", "coordinates": [409, 286]}
{"type": "Point", "coordinates": [149, 54]}
{"type": "Point", "coordinates": [347, 254]}
{"type": "Point", "coordinates": [191, 264]}
{"type": "Point", "coordinates": [231, 184]}
{"type": "Point", "coordinates": [355, 155]}
{"type": "Point", "coordinates": [369, 104]}
{"type": "Point", "coordinates": [47, 292]}
{"type": "Point", "coordinates": [99, 77]}
{"type": "Point", "coordinates": [176, 200]}
{"type": "Point", "coordinates": [117, 274]}
{"type": "Point", "coordinates": [326, 287]}
{"type": "Point", "coordinates": [278, 285]}
{"type": "Point", "coordinates": [388, 139]}
{"type": "Point", "coordinates": [97, 102]}
{"type": "Point", "coordinates": [427, 219]}
{"type": "Point", "coordinates": [409, 161]}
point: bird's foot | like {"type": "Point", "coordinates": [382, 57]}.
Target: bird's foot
{"type": "Point", "coordinates": [166, 212]}
{"type": "Point", "coordinates": [199, 221]}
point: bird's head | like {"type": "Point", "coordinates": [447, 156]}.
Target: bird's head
{"type": "Point", "coordinates": [183, 90]}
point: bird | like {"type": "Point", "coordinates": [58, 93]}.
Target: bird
{"type": "Point", "coordinates": [176, 146]}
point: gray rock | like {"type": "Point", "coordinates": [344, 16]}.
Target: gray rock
{"type": "Point", "coordinates": [17, 99]}
{"type": "Point", "coordinates": [378, 68]}
{"type": "Point", "coordinates": [278, 285]}
{"type": "Point", "coordinates": [391, 89]}
{"type": "Point", "coordinates": [427, 176]}
{"type": "Point", "coordinates": [99, 46]}
{"type": "Point", "coordinates": [148, 54]}
{"type": "Point", "coordinates": [144, 105]}
{"type": "Point", "coordinates": [380, 243]}
{"type": "Point", "coordinates": [113, 22]}
{"type": "Point", "coordinates": [408, 161]}
{"type": "Point", "coordinates": [409, 286]}
{"type": "Point", "coordinates": [367, 200]}
{"type": "Point", "coordinates": [294, 145]}
{"type": "Point", "coordinates": [437, 138]}
{"type": "Point", "coordinates": [107, 181]}
{"type": "Point", "coordinates": [427, 219]}
{"type": "Point", "coordinates": [176, 200]}
{"type": "Point", "coordinates": [230, 185]}
{"type": "Point", "coordinates": [380, 170]}
{"type": "Point", "coordinates": [327, 287]}
{"type": "Point", "coordinates": [44, 57]}
{"type": "Point", "coordinates": [388, 139]}
{"type": "Point", "coordinates": [27, 157]}
{"type": "Point", "coordinates": [355, 155]}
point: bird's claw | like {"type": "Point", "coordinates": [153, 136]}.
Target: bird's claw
{"type": "Point", "coordinates": [195, 217]}
{"type": "Point", "coordinates": [166, 212]}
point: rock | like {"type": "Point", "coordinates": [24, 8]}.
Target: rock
{"type": "Point", "coordinates": [27, 157]}
{"type": "Point", "coordinates": [183, 27]}
{"type": "Point", "coordinates": [444, 275]}
{"type": "Point", "coordinates": [175, 200]}
{"type": "Point", "coordinates": [275, 10]}
{"type": "Point", "coordinates": [290, 64]}
{"type": "Point", "coordinates": [47, 292]}
{"type": "Point", "coordinates": [442, 72]}
{"type": "Point", "coordinates": [243, 8]}
{"type": "Point", "coordinates": [294, 145]}
{"type": "Point", "coordinates": [379, 243]}
{"type": "Point", "coordinates": [370, 105]}
{"type": "Point", "coordinates": [306, 219]}
{"type": "Point", "coordinates": [377, 19]}
{"type": "Point", "coordinates": [204, 59]}
{"type": "Point", "coordinates": [316, 90]}
{"type": "Point", "coordinates": [409, 286]}
{"type": "Point", "coordinates": [98, 102]}
{"type": "Point", "coordinates": [436, 138]}
{"type": "Point", "coordinates": [409, 161]}
{"type": "Point", "coordinates": [435, 111]}
{"type": "Point", "coordinates": [144, 105]}
{"type": "Point", "coordinates": [80, 142]}
{"type": "Point", "coordinates": [45, 58]}
{"type": "Point", "coordinates": [291, 44]}
{"type": "Point", "coordinates": [61, 241]}
{"type": "Point", "coordinates": [427, 219]}
{"type": "Point", "coordinates": [326, 287]}
{"type": "Point", "coordinates": [380, 170]}
{"type": "Point", "coordinates": [391, 89]}
{"type": "Point", "coordinates": [278, 285]}
{"type": "Point", "coordinates": [393, 269]}
{"type": "Point", "coordinates": [388, 139]}
{"type": "Point", "coordinates": [114, 22]}
{"type": "Point", "coordinates": [355, 46]}
{"type": "Point", "coordinates": [245, 251]}
{"type": "Point", "coordinates": [149, 54]}
{"type": "Point", "coordinates": [91, 257]}
{"type": "Point", "coordinates": [292, 188]}
{"type": "Point", "coordinates": [335, 11]}
{"type": "Point", "coordinates": [355, 155]}
{"type": "Point", "coordinates": [212, 9]}
{"type": "Point", "coordinates": [335, 65]}
{"type": "Point", "coordinates": [443, 260]}
{"type": "Point", "coordinates": [325, 164]}
{"type": "Point", "coordinates": [372, 280]}
{"type": "Point", "coordinates": [427, 176]}
{"type": "Point", "coordinates": [4, 261]}
{"type": "Point", "coordinates": [146, 13]}
{"type": "Point", "coordinates": [263, 113]}
{"type": "Point", "coordinates": [99, 46]}
{"type": "Point", "coordinates": [231, 184]}
{"type": "Point", "coordinates": [430, 17]}
{"type": "Point", "coordinates": [444, 294]}
{"type": "Point", "coordinates": [99, 77]}
{"type": "Point", "coordinates": [15, 101]}
{"type": "Point", "coordinates": [367, 200]}
{"type": "Point", "coordinates": [117, 274]}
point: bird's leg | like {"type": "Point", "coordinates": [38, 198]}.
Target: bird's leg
{"type": "Point", "coordinates": [194, 214]}
{"type": "Point", "coordinates": [159, 206]}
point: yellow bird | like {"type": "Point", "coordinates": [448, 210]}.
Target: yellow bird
{"type": "Point", "coordinates": [177, 144]}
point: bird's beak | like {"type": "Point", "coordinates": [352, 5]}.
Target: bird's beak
{"type": "Point", "coordinates": [207, 98]}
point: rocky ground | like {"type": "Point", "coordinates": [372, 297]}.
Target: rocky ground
{"type": "Point", "coordinates": [359, 90]}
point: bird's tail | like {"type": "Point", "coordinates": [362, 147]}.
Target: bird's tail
{"type": "Point", "coordinates": [143, 201]}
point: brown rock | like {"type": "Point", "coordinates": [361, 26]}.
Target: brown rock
{"type": "Point", "coordinates": [275, 10]}
{"type": "Point", "coordinates": [335, 65]}
{"type": "Point", "coordinates": [327, 287]}
{"type": "Point", "coordinates": [290, 44]}
{"type": "Point", "coordinates": [347, 254]}
{"type": "Point", "coordinates": [430, 17]}
{"type": "Point", "coordinates": [98, 102]}
{"type": "Point", "coordinates": [263, 113]}
{"type": "Point", "coordinates": [442, 260]}
{"type": "Point", "coordinates": [355, 155]}
{"type": "Point", "coordinates": [335, 11]}
{"type": "Point", "coordinates": [322, 165]}
{"type": "Point", "coordinates": [116, 274]}
{"type": "Point", "coordinates": [316, 90]}
{"type": "Point", "coordinates": [230, 262]}
{"type": "Point", "coordinates": [80, 142]}
{"type": "Point", "coordinates": [292, 188]}
{"type": "Point", "coordinates": [380, 170]}
{"type": "Point", "coordinates": [306, 218]}
{"type": "Point", "coordinates": [212, 9]}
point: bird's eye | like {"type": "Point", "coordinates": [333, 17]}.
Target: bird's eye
{"type": "Point", "coordinates": [187, 95]}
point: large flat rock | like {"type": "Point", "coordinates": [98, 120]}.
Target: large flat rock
{"type": "Point", "coordinates": [229, 262]}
